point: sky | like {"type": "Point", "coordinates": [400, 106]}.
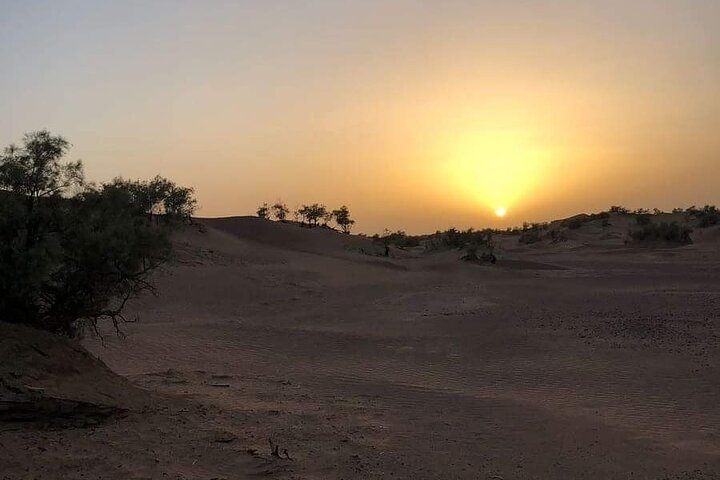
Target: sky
{"type": "Point", "coordinates": [418, 115]}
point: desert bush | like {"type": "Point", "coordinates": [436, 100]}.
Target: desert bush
{"type": "Point", "coordinates": [664, 232]}
{"type": "Point", "coordinates": [707, 216]}
{"type": "Point", "coordinates": [263, 211]}
{"type": "Point", "coordinates": [529, 236]}
{"type": "Point", "coordinates": [531, 232]}
{"type": "Point", "coordinates": [398, 238]}
{"type": "Point", "coordinates": [620, 210]}
{"type": "Point", "coordinates": [73, 254]}
{"type": "Point", "coordinates": [459, 239]}
{"type": "Point", "coordinates": [280, 210]}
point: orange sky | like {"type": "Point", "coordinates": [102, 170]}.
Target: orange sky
{"type": "Point", "coordinates": [417, 115]}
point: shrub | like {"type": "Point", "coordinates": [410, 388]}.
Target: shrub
{"type": "Point", "coordinates": [531, 233]}
{"type": "Point", "coordinates": [707, 216]}
{"type": "Point", "coordinates": [73, 254]}
{"type": "Point", "coordinates": [453, 238]}
{"type": "Point", "coordinates": [397, 238]}
{"type": "Point", "coordinates": [664, 232]}
{"type": "Point", "coordinates": [280, 210]}
{"type": "Point", "coordinates": [619, 209]}
{"type": "Point", "coordinates": [263, 211]}
{"type": "Point", "coordinates": [529, 237]}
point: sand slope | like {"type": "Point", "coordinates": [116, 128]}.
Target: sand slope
{"type": "Point", "coordinates": [604, 366]}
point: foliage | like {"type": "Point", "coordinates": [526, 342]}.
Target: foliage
{"type": "Point", "coordinates": [312, 214]}
{"type": "Point", "coordinates": [531, 233]}
{"type": "Point", "coordinates": [73, 254]}
{"type": "Point", "coordinates": [263, 211]}
{"type": "Point", "coordinates": [707, 216]}
{"type": "Point", "coordinates": [342, 218]}
{"type": "Point", "coordinates": [459, 239]}
{"type": "Point", "coordinates": [280, 210]}
{"type": "Point", "coordinates": [619, 209]}
{"type": "Point", "coordinates": [398, 238]}
{"type": "Point", "coordinates": [529, 236]}
{"type": "Point", "coordinates": [663, 232]}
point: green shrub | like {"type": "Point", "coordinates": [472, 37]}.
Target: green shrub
{"type": "Point", "coordinates": [662, 233]}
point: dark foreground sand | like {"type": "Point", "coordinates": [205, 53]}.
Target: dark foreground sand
{"type": "Point", "coordinates": [578, 360]}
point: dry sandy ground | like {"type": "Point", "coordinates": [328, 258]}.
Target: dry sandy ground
{"type": "Point", "coordinates": [583, 359]}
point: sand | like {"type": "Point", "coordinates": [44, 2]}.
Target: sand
{"type": "Point", "coordinates": [582, 359]}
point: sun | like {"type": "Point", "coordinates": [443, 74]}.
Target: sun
{"type": "Point", "coordinates": [494, 167]}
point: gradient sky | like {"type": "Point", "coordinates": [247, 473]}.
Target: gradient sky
{"type": "Point", "coordinates": [419, 115]}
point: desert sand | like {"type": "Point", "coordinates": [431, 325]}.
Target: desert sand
{"type": "Point", "coordinates": [581, 359]}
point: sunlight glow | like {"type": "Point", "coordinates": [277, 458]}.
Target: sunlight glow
{"type": "Point", "coordinates": [498, 167]}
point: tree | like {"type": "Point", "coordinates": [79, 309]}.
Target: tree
{"type": "Point", "coordinates": [263, 211]}
{"type": "Point", "coordinates": [312, 214]}
{"type": "Point", "coordinates": [72, 254]}
{"type": "Point", "coordinates": [281, 211]}
{"type": "Point", "coordinates": [342, 218]}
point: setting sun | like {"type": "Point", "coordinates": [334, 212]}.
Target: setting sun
{"type": "Point", "coordinates": [494, 167]}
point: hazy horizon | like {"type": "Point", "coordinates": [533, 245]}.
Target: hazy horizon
{"type": "Point", "coordinates": [417, 115]}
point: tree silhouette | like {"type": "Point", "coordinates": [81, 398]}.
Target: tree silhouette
{"type": "Point", "coordinates": [342, 218]}
{"type": "Point", "coordinates": [281, 211]}
{"type": "Point", "coordinates": [312, 214]}
{"type": "Point", "coordinates": [263, 211]}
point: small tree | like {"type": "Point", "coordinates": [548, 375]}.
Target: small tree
{"type": "Point", "coordinates": [281, 211]}
{"type": "Point", "coordinates": [73, 254]}
{"type": "Point", "coordinates": [342, 218]}
{"type": "Point", "coordinates": [312, 213]}
{"type": "Point", "coordinates": [263, 211]}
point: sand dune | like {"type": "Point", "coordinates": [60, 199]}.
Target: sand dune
{"type": "Point", "coordinates": [591, 361]}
